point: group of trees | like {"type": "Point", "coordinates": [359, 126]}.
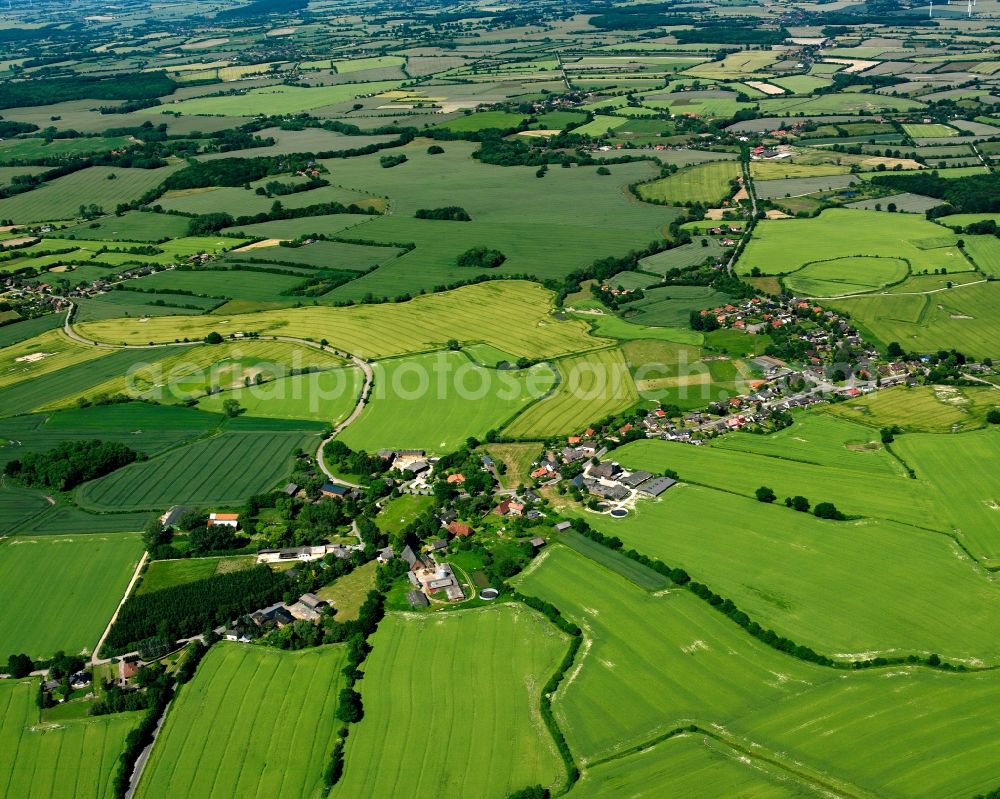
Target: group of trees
{"type": "Point", "coordinates": [70, 463]}
{"type": "Point", "coordinates": [824, 510]}
{"type": "Point", "coordinates": [451, 213]}
{"type": "Point", "coordinates": [481, 258]}
{"type": "Point", "coordinates": [185, 610]}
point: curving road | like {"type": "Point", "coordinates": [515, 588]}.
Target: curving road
{"type": "Point", "coordinates": [360, 363]}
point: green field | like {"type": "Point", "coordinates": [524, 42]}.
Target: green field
{"type": "Point", "coordinates": [160, 574]}
{"type": "Point", "coordinates": [133, 226]}
{"type": "Point", "coordinates": [275, 99]}
{"type": "Point", "coordinates": [62, 198]}
{"type": "Point", "coordinates": [82, 580]}
{"type": "Point", "coordinates": [590, 387]}
{"type": "Point", "coordinates": [223, 470]}
{"type": "Point", "coordinates": [928, 131]}
{"type": "Point", "coordinates": [399, 512]}
{"type": "Point", "coordinates": [511, 315]}
{"type": "Point", "coordinates": [437, 401]}
{"type": "Point", "coordinates": [478, 675]}
{"type": "Point", "coordinates": [781, 246]}
{"type": "Point", "coordinates": [963, 318]}
{"type": "Point", "coordinates": [658, 661]}
{"type": "Point", "coordinates": [928, 409]}
{"type": "Point", "coordinates": [244, 704]}
{"type": "Point", "coordinates": [688, 765]}
{"type": "Point", "coordinates": [708, 183]}
{"type": "Point", "coordinates": [841, 276]}
{"type": "Point", "coordinates": [671, 306]}
{"type": "Point", "coordinates": [985, 253]}
{"type": "Point", "coordinates": [70, 760]}
{"type": "Point", "coordinates": [327, 396]}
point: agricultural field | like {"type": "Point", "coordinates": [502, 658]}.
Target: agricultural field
{"type": "Point", "coordinates": [688, 765]}
{"type": "Point", "coordinates": [782, 246]}
{"type": "Point", "coordinates": [437, 401]}
{"type": "Point", "coordinates": [650, 652]}
{"type": "Point", "coordinates": [82, 579]}
{"type": "Point", "coordinates": [73, 759]}
{"type": "Point", "coordinates": [348, 593]}
{"type": "Point", "coordinates": [928, 131]}
{"type": "Point", "coordinates": [841, 276]}
{"type": "Point", "coordinates": [984, 251]}
{"type": "Point", "coordinates": [219, 736]}
{"type": "Point", "coordinates": [482, 706]}
{"type": "Point", "coordinates": [511, 315]}
{"type": "Point", "coordinates": [160, 574]}
{"type": "Point", "coordinates": [962, 318]}
{"type": "Point", "coordinates": [671, 306]}
{"type": "Point", "coordinates": [590, 387]}
{"type": "Point", "coordinates": [708, 183]}
{"type": "Point", "coordinates": [99, 185]}
{"type": "Point", "coordinates": [327, 396]}
{"type": "Point", "coordinates": [278, 99]}
{"type": "Point", "coordinates": [223, 470]}
{"type": "Point", "coordinates": [926, 409]}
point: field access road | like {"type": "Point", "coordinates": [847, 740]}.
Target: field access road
{"type": "Point", "coordinates": [360, 363]}
{"type": "Point", "coordinates": [899, 293]}
{"type": "Point", "coordinates": [94, 660]}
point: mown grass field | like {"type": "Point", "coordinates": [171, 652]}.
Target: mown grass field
{"type": "Point", "coordinates": [590, 387]}
{"type": "Point", "coordinates": [133, 226]}
{"type": "Point", "coordinates": [69, 760]}
{"type": "Point", "coordinates": [60, 592]}
{"type": "Point", "coordinates": [845, 276]}
{"type": "Point", "coordinates": [781, 246]}
{"type": "Point", "coordinates": [243, 706]}
{"type": "Point", "coordinates": [437, 401]}
{"type": "Point", "coordinates": [452, 705]}
{"type": "Point", "coordinates": [223, 470]}
{"type": "Point", "coordinates": [658, 661]}
{"type": "Point", "coordinates": [511, 315]}
{"type": "Point", "coordinates": [962, 318]}
{"type": "Point", "coordinates": [703, 183]}
{"type": "Point", "coordinates": [327, 396]}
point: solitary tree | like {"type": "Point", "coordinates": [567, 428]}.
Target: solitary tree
{"type": "Point", "coordinates": [231, 408]}
{"type": "Point", "coordinates": [765, 494]}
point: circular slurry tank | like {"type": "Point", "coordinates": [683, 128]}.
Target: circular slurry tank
{"type": "Point", "coordinates": [619, 513]}
{"type": "Point", "coordinates": [489, 593]}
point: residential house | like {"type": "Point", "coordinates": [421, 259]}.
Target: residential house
{"type": "Point", "coordinates": [237, 634]}
{"type": "Point", "coordinates": [224, 520]}
{"type": "Point", "coordinates": [460, 529]}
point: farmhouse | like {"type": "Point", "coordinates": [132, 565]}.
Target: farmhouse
{"type": "Point", "coordinates": [224, 520]}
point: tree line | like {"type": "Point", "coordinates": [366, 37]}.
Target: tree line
{"type": "Point", "coordinates": [70, 463]}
